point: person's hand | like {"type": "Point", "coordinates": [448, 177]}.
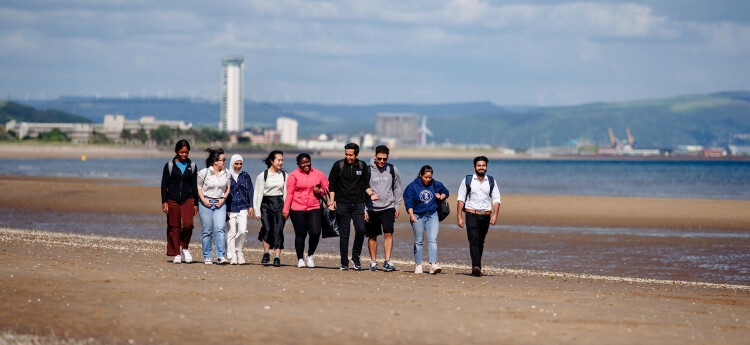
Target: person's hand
{"type": "Point", "coordinates": [367, 217]}
{"type": "Point", "coordinates": [220, 204]}
{"type": "Point", "coordinates": [205, 203]}
{"type": "Point", "coordinates": [257, 217]}
{"type": "Point", "coordinates": [164, 207]}
{"type": "Point", "coordinates": [250, 213]}
{"type": "Point", "coordinates": [493, 219]}
{"type": "Point", "coordinates": [374, 197]}
{"type": "Point", "coordinates": [440, 196]}
{"type": "Point", "coordinates": [195, 210]}
{"type": "Point", "coordinates": [413, 218]}
{"type": "Point", "coordinates": [395, 214]}
{"type": "Point", "coordinates": [461, 222]}
{"type": "Point", "coordinates": [332, 206]}
{"type": "Point", "coordinates": [286, 215]}
{"type": "Point", "coordinates": [316, 190]}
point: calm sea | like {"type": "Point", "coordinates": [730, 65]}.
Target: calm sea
{"type": "Point", "coordinates": [662, 179]}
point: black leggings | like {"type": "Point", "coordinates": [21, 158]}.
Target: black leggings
{"type": "Point", "coordinates": [305, 222]}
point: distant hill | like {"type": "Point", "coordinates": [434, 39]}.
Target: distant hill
{"type": "Point", "coordinates": [19, 112]}
{"type": "Point", "coordinates": [708, 120]}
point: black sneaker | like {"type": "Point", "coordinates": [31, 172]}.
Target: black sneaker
{"type": "Point", "coordinates": [388, 266]}
{"type": "Point", "coordinates": [344, 268]}
{"type": "Point", "coordinates": [276, 262]}
{"type": "Point", "coordinates": [476, 271]}
{"type": "Point", "coordinates": [356, 263]}
{"type": "Point", "coordinates": [266, 258]}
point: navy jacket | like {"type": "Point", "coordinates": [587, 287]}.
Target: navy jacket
{"type": "Point", "coordinates": [240, 193]}
{"type": "Point", "coordinates": [421, 198]}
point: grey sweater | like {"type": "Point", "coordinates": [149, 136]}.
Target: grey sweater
{"type": "Point", "coordinates": [381, 184]}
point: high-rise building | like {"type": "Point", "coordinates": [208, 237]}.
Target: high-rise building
{"type": "Point", "coordinates": [399, 127]}
{"type": "Point", "coordinates": [287, 129]}
{"type": "Point", "coordinates": [232, 103]}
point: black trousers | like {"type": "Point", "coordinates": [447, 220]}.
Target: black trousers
{"type": "Point", "coordinates": [346, 213]}
{"type": "Point", "coordinates": [305, 223]}
{"type": "Point", "coordinates": [476, 229]}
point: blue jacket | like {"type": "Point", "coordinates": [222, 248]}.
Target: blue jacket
{"type": "Point", "coordinates": [238, 199]}
{"type": "Point", "coordinates": [421, 198]}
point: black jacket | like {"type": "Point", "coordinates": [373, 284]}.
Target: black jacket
{"type": "Point", "coordinates": [178, 186]}
{"type": "Point", "coordinates": [351, 182]}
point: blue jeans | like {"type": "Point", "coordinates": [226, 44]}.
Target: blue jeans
{"type": "Point", "coordinates": [430, 223]}
{"type": "Point", "coordinates": [213, 219]}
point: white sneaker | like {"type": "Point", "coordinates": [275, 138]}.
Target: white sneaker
{"type": "Point", "coordinates": [233, 261]}
{"type": "Point", "coordinates": [177, 259]}
{"type": "Point", "coordinates": [301, 263]}
{"type": "Point", "coordinates": [435, 269]}
{"type": "Point", "coordinates": [240, 258]}
{"type": "Point", "coordinates": [418, 270]}
{"type": "Point", "coordinates": [222, 260]}
{"type": "Point", "coordinates": [186, 255]}
{"type": "Point", "coordinates": [310, 262]}
{"type": "Point", "coordinates": [208, 261]}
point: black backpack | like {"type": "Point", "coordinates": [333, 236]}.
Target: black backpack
{"type": "Point", "coordinates": [468, 185]}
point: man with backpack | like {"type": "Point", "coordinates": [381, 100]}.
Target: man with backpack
{"type": "Point", "coordinates": [382, 212]}
{"type": "Point", "coordinates": [479, 198]}
{"type": "Point", "coordinates": [349, 185]}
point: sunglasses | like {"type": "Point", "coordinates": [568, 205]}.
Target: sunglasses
{"type": "Point", "coordinates": [381, 159]}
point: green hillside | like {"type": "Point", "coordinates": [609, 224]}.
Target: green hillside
{"type": "Point", "coordinates": [708, 120]}
{"type": "Point", "coordinates": [19, 112]}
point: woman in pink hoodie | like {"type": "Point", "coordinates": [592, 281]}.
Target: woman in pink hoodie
{"type": "Point", "coordinates": [305, 187]}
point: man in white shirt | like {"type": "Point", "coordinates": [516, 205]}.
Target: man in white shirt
{"type": "Point", "coordinates": [479, 197]}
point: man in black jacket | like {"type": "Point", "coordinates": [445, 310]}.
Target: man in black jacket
{"type": "Point", "coordinates": [350, 186]}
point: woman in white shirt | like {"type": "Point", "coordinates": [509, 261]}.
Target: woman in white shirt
{"type": "Point", "coordinates": [213, 188]}
{"type": "Point", "coordinates": [270, 191]}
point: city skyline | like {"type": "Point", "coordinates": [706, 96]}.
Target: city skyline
{"type": "Point", "coordinates": [540, 52]}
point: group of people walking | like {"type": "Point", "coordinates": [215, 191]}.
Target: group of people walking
{"type": "Point", "coordinates": [366, 195]}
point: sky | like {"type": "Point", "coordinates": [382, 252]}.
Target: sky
{"type": "Point", "coordinates": [542, 53]}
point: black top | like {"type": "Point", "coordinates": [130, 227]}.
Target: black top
{"type": "Point", "coordinates": [179, 186]}
{"type": "Point", "coordinates": [351, 182]}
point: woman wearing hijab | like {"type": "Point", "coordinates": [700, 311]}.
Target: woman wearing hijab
{"type": "Point", "coordinates": [305, 187]}
{"type": "Point", "coordinates": [240, 209]}
{"type": "Point", "coordinates": [270, 191]}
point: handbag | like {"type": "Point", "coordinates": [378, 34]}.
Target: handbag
{"type": "Point", "coordinates": [328, 223]}
{"type": "Point", "coordinates": [443, 209]}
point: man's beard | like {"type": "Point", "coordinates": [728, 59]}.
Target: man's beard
{"type": "Point", "coordinates": [480, 174]}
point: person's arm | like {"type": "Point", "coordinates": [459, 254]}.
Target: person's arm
{"type": "Point", "coordinates": [291, 181]}
{"type": "Point", "coordinates": [250, 194]}
{"type": "Point", "coordinates": [365, 184]}
{"type": "Point", "coordinates": [441, 190]}
{"type": "Point", "coordinates": [258, 194]}
{"type": "Point", "coordinates": [460, 203]}
{"type": "Point", "coordinates": [397, 191]}
{"type": "Point", "coordinates": [333, 180]}
{"type": "Point", "coordinates": [412, 217]}
{"type": "Point", "coordinates": [495, 204]}
{"type": "Point", "coordinates": [199, 182]}
{"type": "Point", "coordinates": [164, 185]}
{"type": "Point", "coordinates": [228, 187]}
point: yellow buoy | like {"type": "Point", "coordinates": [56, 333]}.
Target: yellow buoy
{"type": "Point", "coordinates": [83, 158]}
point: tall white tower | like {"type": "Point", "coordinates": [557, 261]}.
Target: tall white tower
{"type": "Point", "coordinates": [232, 103]}
{"type": "Point", "coordinates": [287, 129]}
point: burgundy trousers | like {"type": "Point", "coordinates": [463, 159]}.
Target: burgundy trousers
{"type": "Point", "coordinates": [179, 225]}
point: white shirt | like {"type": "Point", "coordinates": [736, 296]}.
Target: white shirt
{"type": "Point", "coordinates": [479, 200]}
{"type": "Point", "coordinates": [274, 185]}
{"type": "Point", "coordinates": [213, 185]}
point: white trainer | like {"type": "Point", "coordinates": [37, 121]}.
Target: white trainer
{"type": "Point", "coordinates": [418, 270]}
{"type": "Point", "coordinates": [186, 255]}
{"type": "Point", "coordinates": [177, 259]}
{"type": "Point", "coordinates": [222, 260]}
{"type": "Point", "coordinates": [233, 260]}
{"type": "Point", "coordinates": [310, 262]}
{"type": "Point", "coordinates": [435, 269]}
{"type": "Point", "coordinates": [301, 263]}
{"type": "Point", "coordinates": [240, 258]}
{"type": "Point", "coordinates": [208, 261]}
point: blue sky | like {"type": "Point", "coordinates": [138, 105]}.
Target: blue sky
{"type": "Point", "coordinates": [367, 52]}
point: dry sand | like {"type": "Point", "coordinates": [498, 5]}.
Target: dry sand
{"type": "Point", "coordinates": [59, 287]}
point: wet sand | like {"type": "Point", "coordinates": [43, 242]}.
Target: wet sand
{"type": "Point", "coordinates": [68, 287]}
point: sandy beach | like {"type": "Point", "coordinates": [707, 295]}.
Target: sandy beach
{"type": "Point", "coordinates": [97, 289]}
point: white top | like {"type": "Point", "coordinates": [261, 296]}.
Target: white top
{"type": "Point", "coordinates": [479, 200]}
{"type": "Point", "coordinates": [213, 185]}
{"type": "Point", "coordinates": [273, 186]}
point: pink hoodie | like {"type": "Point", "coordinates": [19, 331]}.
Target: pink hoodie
{"type": "Point", "coordinates": [299, 189]}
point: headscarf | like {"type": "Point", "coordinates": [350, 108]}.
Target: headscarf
{"type": "Point", "coordinates": [235, 174]}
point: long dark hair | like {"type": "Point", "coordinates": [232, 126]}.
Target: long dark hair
{"type": "Point", "coordinates": [271, 156]}
{"type": "Point", "coordinates": [180, 144]}
{"type": "Point", "coordinates": [213, 156]}
{"type": "Point", "coordinates": [425, 169]}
